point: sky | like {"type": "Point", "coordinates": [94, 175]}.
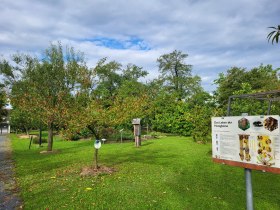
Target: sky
{"type": "Point", "coordinates": [216, 34]}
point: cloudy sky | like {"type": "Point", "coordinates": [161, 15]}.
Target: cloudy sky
{"type": "Point", "coordinates": [216, 34]}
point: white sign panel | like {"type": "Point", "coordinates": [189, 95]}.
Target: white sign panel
{"type": "Point", "coordinates": [247, 139]}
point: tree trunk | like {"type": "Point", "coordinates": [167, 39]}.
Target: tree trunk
{"type": "Point", "coordinates": [95, 133]}
{"type": "Point", "coordinates": [40, 136]}
{"type": "Point", "coordinates": [50, 136]}
{"type": "Point", "coordinates": [26, 130]}
{"type": "Point", "coordinates": [95, 159]}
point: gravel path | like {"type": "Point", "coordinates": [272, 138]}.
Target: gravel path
{"type": "Point", "coordinates": [9, 198]}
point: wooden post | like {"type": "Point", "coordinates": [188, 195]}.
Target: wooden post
{"type": "Point", "coordinates": [137, 132]}
{"type": "Point", "coordinates": [31, 138]}
{"type": "Point", "coordinates": [95, 159]}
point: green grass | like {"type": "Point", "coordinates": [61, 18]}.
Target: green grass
{"type": "Point", "coordinates": [168, 173]}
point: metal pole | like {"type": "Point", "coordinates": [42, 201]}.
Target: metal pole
{"type": "Point", "coordinates": [269, 107]}
{"type": "Point", "coordinates": [248, 180]}
{"type": "Point", "coordinates": [229, 104]}
{"type": "Point", "coordinates": [249, 191]}
{"type": "Point", "coordinates": [95, 159]}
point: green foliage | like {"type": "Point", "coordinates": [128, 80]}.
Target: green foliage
{"type": "Point", "coordinates": [75, 134]}
{"type": "Point", "coordinates": [21, 120]}
{"type": "Point", "coordinates": [36, 140]}
{"type": "Point", "coordinates": [126, 135]}
{"type": "Point", "coordinates": [157, 135]}
{"type": "Point", "coordinates": [262, 78]}
{"type": "Point", "coordinates": [176, 76]}
{"type": "Point", "coordinates": [250, 106]}
{"type": "Point", "coordinates": [3, 101]}
{"type": "Point", "coordinates": [49, 88]}
{"type": "Point", "coordinates": [169, 116]}
{"type": "Point", "coordinates": [200, 117]}
{"type": "Point", "coordinates": [133, 73]}
{"type": "Point", "coordinates": [274, 35]}
{"type": "Point", "coordinates": [85, 133]}
{"type": "Point", "coordinates": [107, 80]}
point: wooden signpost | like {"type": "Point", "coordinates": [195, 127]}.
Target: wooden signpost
{"type": "Point", "coordinates": [137, 131]}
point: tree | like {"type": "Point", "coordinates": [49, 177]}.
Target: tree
{"type": "Point", "coordinates": [200, 118]}
{"type": "Point", "coordinates": [47, 88]}
{"type": "Point", "coordinates": [21, 120]}
{"type": "Point", "coordinates": [107, 80]}
{"type": "Point", "coordinates": [274, 35]}
{"type": "Point", "coordinates": [257, 78]}
{"type": "Point", "coordinates": [176, 75]}
{"type": "Point", "coordinates": [133, 73]}
{"type": "Point", "coordinates": [117, 97]}
{"type": "Point", "coordinates": [3, 102]}
{"type": "Point", "coordinates": [228, 83]}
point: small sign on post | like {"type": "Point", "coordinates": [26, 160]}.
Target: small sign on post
{"type": "Point", "coordinates": [137, 131]}
{"type": "Point", "coordinates": [97, 145]}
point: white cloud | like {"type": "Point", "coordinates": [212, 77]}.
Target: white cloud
{"type": "Point", "coordinates": [216, 34]}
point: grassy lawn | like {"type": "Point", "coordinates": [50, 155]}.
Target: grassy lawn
{"type": "Point", "coordinates": [167, 173]}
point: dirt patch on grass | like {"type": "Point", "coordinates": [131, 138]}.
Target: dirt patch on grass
{"type": "Point", "coordinates": [90, 171]}
{"type": "Point", "coordinates": [23, 136]}
{"type": "Point", "coordinates": [49, 152]}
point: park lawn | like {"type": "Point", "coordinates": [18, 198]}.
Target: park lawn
{"type": "Point", "coordinates": [167, 173]}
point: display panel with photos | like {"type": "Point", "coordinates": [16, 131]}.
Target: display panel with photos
{"type": "Point", "coordinates": [247, 141]}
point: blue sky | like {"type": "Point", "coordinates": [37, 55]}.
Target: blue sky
{"type": "Point", "coordinates": [216, 34]}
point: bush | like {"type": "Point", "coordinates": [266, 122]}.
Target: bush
{"type": "Point", "coordinates": [156, 134]}
{"type": "Point", "coordinates": [108, 133]}
{"type": "Point", "coordinates": [35, 140]}
{"type": "Point", "coordinates": [126, 135]}
{"type": "Point", "coordinates": [74, 137]}
{"type": "Point", "coordinates": [85, 133]}
{"type": "Point", "coordinates": [201, 120]}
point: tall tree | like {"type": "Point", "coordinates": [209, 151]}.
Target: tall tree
{"type": "Point", "coordinates": [176, 75]}
{"type": "Point", "coordinates": [47, 88]}
{"type": "Point", "coordinates": [133, 72]}
{"type": "Point", "coordinates": [107, 80]}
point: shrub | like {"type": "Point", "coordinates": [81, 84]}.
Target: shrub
{"type": "Point", "coordinates": [108, 133]}
{"type": "Point", "coordinates": [126, 135]}
{"type": "Point", "coordinates": [85, 133]}
{"type": "Point", "coordinates": [155, 134]}
{"type": "Point", "coordinates": [35, 140]}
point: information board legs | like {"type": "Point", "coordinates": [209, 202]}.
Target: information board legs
{"type": "Point", "coordinates": [249, 191]}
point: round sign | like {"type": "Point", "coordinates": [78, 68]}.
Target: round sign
{"type": "Point", "coordinates": [97, 144]}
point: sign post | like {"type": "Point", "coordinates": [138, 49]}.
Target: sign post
{"type": "Point", "coordinates": [249, 191]}
{"type": "Point", "coordinates": [97, 145]}
{"type": "Point", "coordinates": [249, 188]}
{"type": "Point", "coordinates": [250, 142]}
{"type": "Point", "coordinates": [121, 131]}
{"type": "Point", "coordinates": [137, 131]}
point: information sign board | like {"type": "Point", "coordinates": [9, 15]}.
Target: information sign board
{"type": "Point", "coordinates": [247, 141]}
